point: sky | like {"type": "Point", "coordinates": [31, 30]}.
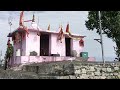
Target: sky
{"type": "Point", "coordinates": [76, 20]}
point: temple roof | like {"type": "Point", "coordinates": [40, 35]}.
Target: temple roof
{"type": "Point", "coordinates": [34, 28]}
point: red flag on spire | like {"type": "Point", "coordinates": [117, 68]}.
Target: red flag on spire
{"type": "Point", "coordinates": [48, 28]}
{"type": "Point", "coordinates": [21, 22]}
{"type": "Point", "coordinates": [67, 28]}
{"type": "Point", "coordinates": [61, 31]}
{"type": "Point", "coordinates": [21, 18]}
{"type": "Point", "coordinates": [60, 35]}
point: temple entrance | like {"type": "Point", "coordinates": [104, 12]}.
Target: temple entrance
{"type": "Point", "coordinates": [44, 45]}
{"type": "Point", "coordinates": [68, 46]}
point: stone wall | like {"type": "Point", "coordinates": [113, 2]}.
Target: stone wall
{"type": "Point", "coordinates": [97, 71]}
{"type": "Point", "coordinates": [75, 70]}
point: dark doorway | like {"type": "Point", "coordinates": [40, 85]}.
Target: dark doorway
{"type": "Point", "coordinates": [44, 45]}
{"type": "Point", "coordinates": [68, 46]}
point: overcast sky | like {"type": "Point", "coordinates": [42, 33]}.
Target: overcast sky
{"type": "Point", "coordinates": [76, 20]}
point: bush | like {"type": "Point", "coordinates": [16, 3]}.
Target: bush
{"type": "Point", "coordinates": [33, 53]}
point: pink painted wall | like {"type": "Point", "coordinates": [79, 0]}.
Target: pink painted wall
{"type": "Point", "coordinates": [56, 46]}
{"type": "Point", "coordinates": [21, 46]}
{"type": "Point", "coordinates": [60, 48]}
{"type": "Point", "coordinates": [32, 43]}
{"type": "Point", "coordinates": [24, 46]}
{"type": "Point", "coordinates": [77, 47]}
{"type": "Point", "coordinates": [17, 60]}
{"type": "Point", "coordinates": [16, 47]}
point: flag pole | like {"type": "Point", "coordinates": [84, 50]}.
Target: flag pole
{"type": "Point", "coordinates": [0, 55]}
{"type": "Point", "coordinates": [101, 38]}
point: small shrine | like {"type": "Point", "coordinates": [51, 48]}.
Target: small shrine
{"type": "Point", "coordinates": [34, 45]}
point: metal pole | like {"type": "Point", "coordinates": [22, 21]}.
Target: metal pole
{"type": "Point", "coordinates": [10, 29]}
{"type": "Point", "coordinates": [101, 36]}
{"type": "Point", "coordinates": [0, 55]}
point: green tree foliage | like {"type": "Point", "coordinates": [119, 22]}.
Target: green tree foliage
{"type": "Point", "coordinates": [9, 52]}
{"type": "Point", "coordinates": [8, 55]}
{"type": "Point", "coordinates": [110, 21]}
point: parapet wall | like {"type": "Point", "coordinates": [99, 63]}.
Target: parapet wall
{"type": "Point", "coordinates": [76, 70]}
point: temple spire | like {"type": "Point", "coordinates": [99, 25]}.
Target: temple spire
{"type": "Point", "coordinates": [48, 27]}
{"type": "Point", "coordinates": [33, 19]}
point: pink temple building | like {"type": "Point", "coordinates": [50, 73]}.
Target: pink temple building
{"type": "Point", "coordinates": [46, 45]}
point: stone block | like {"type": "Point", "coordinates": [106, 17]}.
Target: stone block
{"type": "Point", "coordinates": [78, 71]}
{"type": "Point", "coordinates": [96, 77]}
{"type": "Point", "coordinates": [88, 73]}
{"type": "Point", "coordinates": [109, 70]}
{"type": "Point", "coordinates": [63, 77]}
{"type": "Point", "coordinates": [91, 77]}
{"type": "Point", "coordinates": [116, 68]}
{"type": "Point", "coordinates": [103, 77]}
{"type": "Point", "coordinates": [68, 69]}
{"type": "Point", "coordinates": [111, 74]}
{"type": "Point", "coordinates": [83, 70]}
{"type": "Point", "coordinates": [97, 73]}
{"type": "Point", "coordinates": [115, 74]}
{"type": "Point", "coordinates": [72, 77]}
{"type": "Point", "coordinates": [92, 74]}
{"type": "Point", "coordinates": [86, 67]}
{"type": "Point", "coordinates": [84, 76]}
{"type": "Point", "coordinates": [78, 77]}
{"type": "Point", "coordinates": [118, 76]}
{"type": "Point", "coordinates": [92, 68]}
{"type": "Point", "coordinates": [104, 69]}
{"type": "Point", "coordinates": [98, 69]}
{"type": "Point", "coordinates": [77, 67]}
{"type": "Point", "coordinates": [107, 74]}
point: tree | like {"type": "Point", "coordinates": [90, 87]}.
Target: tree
{"type": "Point", "coordinates": [110, 21]}
{"type": "Point", "coordinates": [8, 55]}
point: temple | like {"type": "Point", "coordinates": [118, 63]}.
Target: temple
{"type": "Point", "coordinates": [34, 45]}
